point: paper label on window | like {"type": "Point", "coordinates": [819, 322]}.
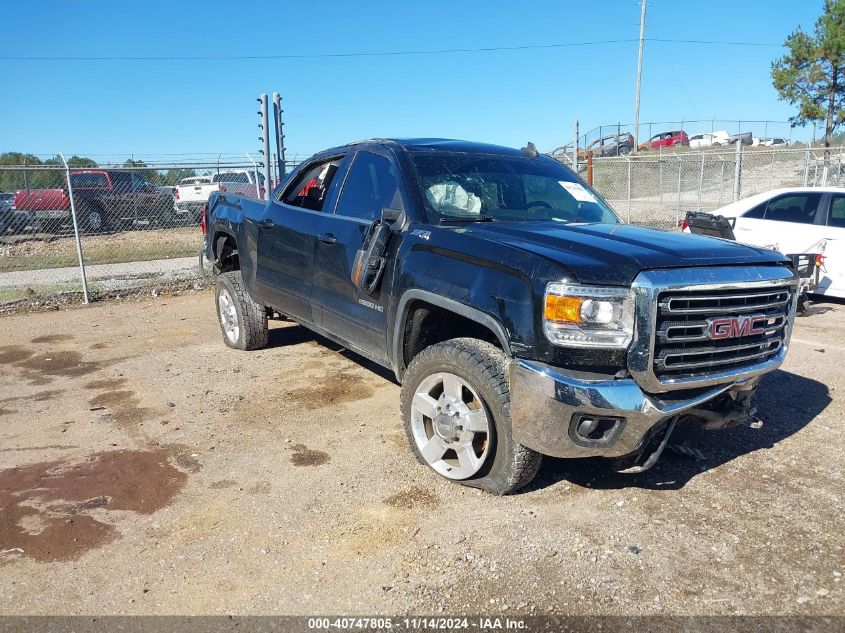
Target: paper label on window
{"type": "Point", "coordinates": [577, 191]}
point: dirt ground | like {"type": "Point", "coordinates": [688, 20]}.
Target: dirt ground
{"type": "Point", "coordinates": [146, 468]}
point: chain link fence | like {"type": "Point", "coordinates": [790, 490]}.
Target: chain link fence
{"type": "Point", "coordinates": [760, 128]}
{"type": "Point", "coordinates": [102, 227]}
{"type": "Point", "coordinates": [136, 220]}
{"type": "Point", "coordinates": [657, 188]}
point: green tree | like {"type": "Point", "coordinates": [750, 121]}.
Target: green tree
{"type": "Point", "coordinates": [82, 162]}
{"type": "Point", "coordinates": [172, 177]}
{"type": "Point", "coordinates": [52, 174]}
{"type": "Point", "coordinates": [812, 73]}
{"type": "Point", "coordinates": [139, 167]}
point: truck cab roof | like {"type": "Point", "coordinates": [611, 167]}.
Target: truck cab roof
{"type": "Point", "coordinates": [430, 145]}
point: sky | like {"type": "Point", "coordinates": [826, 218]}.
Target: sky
{"type": "Point", "coordinates": [161, 107]}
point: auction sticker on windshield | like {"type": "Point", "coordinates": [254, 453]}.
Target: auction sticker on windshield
{"type": "Point", "coordinates": [577, 191]}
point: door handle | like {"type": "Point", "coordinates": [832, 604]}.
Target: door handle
{"type": "Point", "coordinates": [328, 238]}
{"type": "Point", "coordinates": [265, 224]}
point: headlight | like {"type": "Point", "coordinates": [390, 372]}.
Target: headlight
{"type": "Point", "coordinates": [588, 316]}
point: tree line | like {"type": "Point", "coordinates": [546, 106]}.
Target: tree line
{"type": "Point", "coordinates": [48, 178]}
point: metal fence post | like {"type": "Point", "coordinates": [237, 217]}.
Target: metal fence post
{"type": "Point", "coordinates": [772, 170]}
{"type": "Point", "coordinates": [806, 166]}
{"type": "Point", "coordinates": [721, 182]}
{"type": "Point", "coordinates": [660, 178]}
{"type": "Point", "coordinates": [701, 180]}
{"type": "Point", "coordinates": [737, 170]}
{"type": "Point", "coordinates": [678, 207]}
{"type": "Point", "coordinates": [76, 231]}
{"type": "Point", "coordinates": [255, 174]}
{"type": "Point", "coordinates": [630, 176]}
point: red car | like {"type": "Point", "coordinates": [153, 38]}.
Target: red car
{"type": "Point", "coordinates": [666, 139]}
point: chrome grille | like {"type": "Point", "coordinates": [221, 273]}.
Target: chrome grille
{"type": "Point", "coordinates": [682, 346]}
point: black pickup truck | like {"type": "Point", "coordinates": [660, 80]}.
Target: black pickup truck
{"type": "Point", "coordinates": [520, 316]}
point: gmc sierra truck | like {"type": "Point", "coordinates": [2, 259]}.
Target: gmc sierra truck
{"type": "Point", "coordinates": [520, 316]}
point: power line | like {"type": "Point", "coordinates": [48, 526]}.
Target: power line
{"type": "Point", "coordinates": [442, 51]}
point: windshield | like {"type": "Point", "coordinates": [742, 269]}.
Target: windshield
{"type": "Point", "coordinates": [473, 187]}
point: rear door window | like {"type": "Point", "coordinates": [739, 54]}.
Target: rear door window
{"type": "Point", "coordinates": [836, 217]}
{"type": "Point", "coordinates": [310, 189]}
{"type": "Point", "coordinates": [799, 208]}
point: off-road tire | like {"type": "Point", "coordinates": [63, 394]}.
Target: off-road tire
{"type": "Point", "coordinates": [509, 465]}
{"type": "Point", "coordinates": [252, 317]}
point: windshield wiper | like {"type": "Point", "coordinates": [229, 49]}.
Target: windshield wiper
{"type": "Point", "coordinates": [449, 219]}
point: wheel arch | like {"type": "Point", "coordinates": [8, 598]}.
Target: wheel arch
{"type": "Point", "coordinates": [489, 328]}
{"type": "Point", "coordinates": [225, 250]}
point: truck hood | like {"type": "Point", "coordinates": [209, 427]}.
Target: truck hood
{"type": "Point", "coordinates": [614, 254]}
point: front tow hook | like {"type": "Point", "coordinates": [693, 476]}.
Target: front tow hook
{"type": "Point", "coordinates": [652, 459]}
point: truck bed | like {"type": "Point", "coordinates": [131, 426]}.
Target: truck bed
{"type": "Point", "coordinates": [41, 200]}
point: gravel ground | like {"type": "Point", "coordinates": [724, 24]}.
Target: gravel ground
{"type": "Point", "coordinates": [146, 468]}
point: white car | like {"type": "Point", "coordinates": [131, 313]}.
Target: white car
{"type": "Point", "coordinates": [709, 139]}
{"type": "Point", "coordinates": [774, 142]}
{"type": "Point", "coordinates": [797, 220]}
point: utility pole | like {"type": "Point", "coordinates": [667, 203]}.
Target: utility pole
{"type": "Point", "coordinates": [639, 78]}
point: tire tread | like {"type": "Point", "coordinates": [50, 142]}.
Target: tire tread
{"type": "Point", "coordinates": [253, 316]}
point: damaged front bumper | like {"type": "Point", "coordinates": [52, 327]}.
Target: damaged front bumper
{"type": "Point", "coordinates": [572, 414]}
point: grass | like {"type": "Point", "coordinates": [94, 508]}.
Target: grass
{"type": "Point", "coordinates": [20, 294]}
{"type": "Point", "coordinates": [97, 252]}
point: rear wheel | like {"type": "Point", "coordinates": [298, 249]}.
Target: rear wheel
{"type": "Point", "coordinates": [624, 150]}
{"type": "Point", "coordinates": [92, 219]}
{"type": "Point", "coordinates": [242, 321]}
{"type": "Point", "coordinates": [456, 412]}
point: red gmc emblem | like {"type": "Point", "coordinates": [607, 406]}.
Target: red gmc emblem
{"type": "Point", "coordinates": [736, 326]}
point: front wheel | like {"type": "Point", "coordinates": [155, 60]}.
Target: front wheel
{"type": "Point", "coordinates": [242, 321]}
{"type": "Point", "coordinates": [456, 412]}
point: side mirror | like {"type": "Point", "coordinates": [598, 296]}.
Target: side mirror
{"type": "Point", "coordinates": [389, 215]}
{"type": "Point", "coordinates": [370, 259]}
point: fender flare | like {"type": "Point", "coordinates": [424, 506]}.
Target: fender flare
{"type": "Point", "coordinates": [461, 309]}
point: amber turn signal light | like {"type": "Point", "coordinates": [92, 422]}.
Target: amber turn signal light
{"type": "Point", "coordinates": [563, 309]}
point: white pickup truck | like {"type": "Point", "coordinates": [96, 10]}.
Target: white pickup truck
{"type": "Point", "coordinates": [192, 193]}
